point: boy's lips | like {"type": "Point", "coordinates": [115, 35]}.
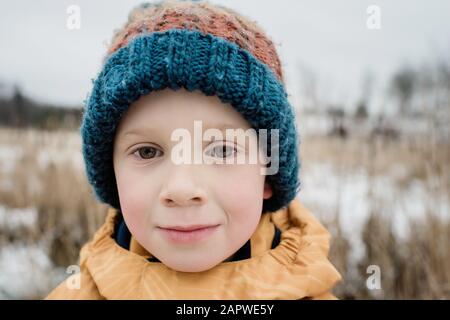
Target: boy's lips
{"type": "Point", "coordinates": [188, 234]}
{"type": "Point", "coordinates": [189, 228]}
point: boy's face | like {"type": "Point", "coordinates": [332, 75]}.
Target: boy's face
{"type": "Point", "coordinates": [157, 194]}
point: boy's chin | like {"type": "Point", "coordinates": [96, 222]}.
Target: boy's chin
{"type": "Point", "coordinates": [195, 266]}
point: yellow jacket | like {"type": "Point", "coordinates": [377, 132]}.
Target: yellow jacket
{"type": "Point", "coordinates": [298, 268]}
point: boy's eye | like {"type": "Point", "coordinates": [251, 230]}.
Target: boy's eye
{"type": "Point", "coordinates": [222, 151]}
{"type": "Point", "coordinates": [147, 152]}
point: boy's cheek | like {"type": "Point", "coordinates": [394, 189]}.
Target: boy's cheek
{"type": "Point", "coordinates": [242, 192]}
{"type": "Point", "coordinates": [132, 199]}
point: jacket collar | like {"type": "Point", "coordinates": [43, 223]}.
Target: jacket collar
{"type": "Point", "coordinates": [297, 268]}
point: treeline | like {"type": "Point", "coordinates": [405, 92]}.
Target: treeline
{"type": "Point", "coordinates": [19, 111]}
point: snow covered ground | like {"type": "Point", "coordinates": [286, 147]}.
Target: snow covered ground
{"type": "Point", "coordinates": [26, 271]}
{"type": "Point", "coordinates": [353, 194]}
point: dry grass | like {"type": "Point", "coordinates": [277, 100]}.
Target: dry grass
{"type": "Point", "coordinates": [413, 268]}
{"type": "Point", "coordinates": [67, 211]}
{"type": "Point", "coordinates": [417, 267]}
{"type": "Point", "coordinates": [418, 157]}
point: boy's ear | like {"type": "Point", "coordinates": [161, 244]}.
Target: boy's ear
{"type": "Point", "coordinates": [267, 191]}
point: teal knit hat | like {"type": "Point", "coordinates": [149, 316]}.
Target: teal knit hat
{"type": "Point", "coordinates": [173, 47]}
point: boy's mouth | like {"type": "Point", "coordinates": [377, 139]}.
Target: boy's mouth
{"type": "Point", "coordinates": [188, 234]}
{"type": "Point", "coordinates": [190, 228]}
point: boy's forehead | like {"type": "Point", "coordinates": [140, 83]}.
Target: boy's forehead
{"type": "Point", "coordinates": [172, 110]}
{"type": "Point", "coordinates": [146, 129]}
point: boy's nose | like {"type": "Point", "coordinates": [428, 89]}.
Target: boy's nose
{"type": "Point", "coordinates": [181, 190]}
{"type": "Point", "coordinates": [182, 198]}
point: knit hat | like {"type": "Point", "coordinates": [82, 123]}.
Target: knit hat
{"type": "Point", "coordinates": [197, 46]}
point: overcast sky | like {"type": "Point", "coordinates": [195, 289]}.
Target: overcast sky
{"type": "Point", "coordinates": [329, 38]}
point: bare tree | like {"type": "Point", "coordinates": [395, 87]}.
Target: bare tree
{"type": "Point", "coordinates": [308, 89]}
{"type": "Point", "coordinates": [362, 108]}
{"type": "Point", "coordinates": [403, 84]}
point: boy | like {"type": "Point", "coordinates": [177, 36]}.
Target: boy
{"type": "Point", "coordinates": [187, 90]}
